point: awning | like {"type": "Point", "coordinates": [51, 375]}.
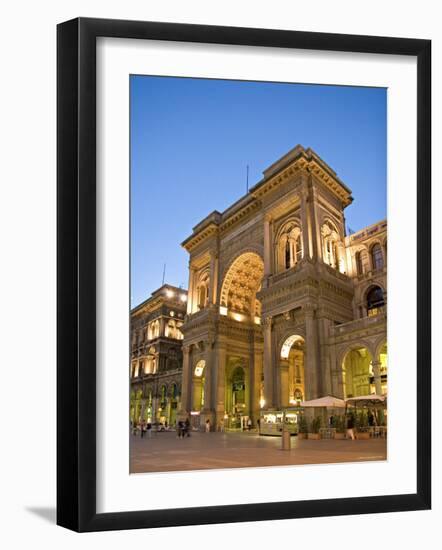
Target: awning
{"type": "Point", "coordinates": [328, 401]}
{"type": "Point", "coordinates": [367, 400]}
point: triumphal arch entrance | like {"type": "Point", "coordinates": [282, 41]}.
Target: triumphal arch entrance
{"type": "Point", "coordinates": [277, 298]}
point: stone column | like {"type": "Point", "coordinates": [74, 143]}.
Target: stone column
{"type": "Point", "coordinates": [316, 230]}
{"type": "Point", "coordinates": [268, 367]}
{"type": "Point", "coordinates": [207, 412]}
{"type": "Point", "coordinates": [284, 382]}
{"type": "Point", "coordinates": [304, 223]}
{"type": "Point", "coordinates": [267, 247]}
{"type": "Point", "coordinates": [186, 386]}
{"type": "Point", "coordinates": [143, 407]}
{"type": "Point", "coordinates": [213, 282]}
{"type": "Point", "coordinates": [162, 327]}
{"type": "Point", "coordinates": [191, 290]}
{"type": "Point", "coordinates": [154, 408]}
{"type": "Point", "coordinates": [311, 355]}
{"type": "Point", "coordinates": [257, 382]}
{"type": "Point", "coordinates": [252, 370]}
{"type": "Point", "coordinates": [219, 382]}
{"type": "Point", "coordinates": [377, 376]}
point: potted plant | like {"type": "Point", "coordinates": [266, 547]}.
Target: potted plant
{"type": "Point", "coordinates": [314, 428]}
{"type": "Point", "coordinates": [338, 424]}
{"type": "Point", "coordinates": [302, 428]}
{"type": "Point", "coordinates": [362, 431]}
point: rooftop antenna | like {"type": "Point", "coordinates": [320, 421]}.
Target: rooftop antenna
{"type": "Point", "coordinates": [164, 273]}
{"type": "Point", "coordinates": [247, 179]}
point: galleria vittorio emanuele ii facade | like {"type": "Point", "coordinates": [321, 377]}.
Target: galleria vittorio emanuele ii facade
{"type": "Point", "coordinates": [282, 305]}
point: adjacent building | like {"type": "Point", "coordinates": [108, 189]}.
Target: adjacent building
{"type": "Point", "coordinates": [282, 304]}
{"type": "Point", "coordinates": [156, 356]}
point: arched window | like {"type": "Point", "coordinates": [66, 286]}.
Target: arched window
{"type": "Point", "coordinates": [358, 260]}
{"type": "Point", "coordinates": [332, 246]}
{"type": "Point", "coordinates": [154, 329]}
{"type": "Point", "coordinates": [375, 300]}
{"type": "Point", "coordinates": [171, 329]}
{"type": "Point", "coordinates": [203, 290]}
{"type": "Point", "coordinates": [289, 246]}
{"type": "Point", "coordinates": [377, 258]}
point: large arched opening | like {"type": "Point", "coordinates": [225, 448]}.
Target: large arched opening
{"type": "Point", "coordinates": [240, 285]}
{"type": "Point", "coordinates": [237, 399]}
{"type": "Point", "coordinates": [383, 369]}
{"type": "Point", "coordinates": [292, 359]}
{"type": "Point", "coordinates": [357, 372]}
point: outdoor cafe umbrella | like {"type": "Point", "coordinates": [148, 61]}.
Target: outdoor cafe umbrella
{"type": "Point", "coordinates": [372, 401]}
{"type": "Point", "coordinates": [367, 400]}
{"type": "Point", "coordinates": [328, 402]}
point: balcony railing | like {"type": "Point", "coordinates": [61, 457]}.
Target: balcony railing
{"type": "Point", "coordinates": [359, 324]}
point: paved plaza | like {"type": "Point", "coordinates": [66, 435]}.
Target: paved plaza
{"type": "Point", "coordinates": [165, 452]}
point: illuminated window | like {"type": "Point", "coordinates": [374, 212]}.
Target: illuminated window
{"type": "Point", "coordinates": [154, 329]}
{"type": "Point", "coordinates": [199, 369]}
{"type": "Point", "coordinates": [331, 246]}
{"type": "Point", "coordinates": [375, 300]}
{"type": "Point", "coordinates": [289, 248]}
{"type": "Point", "coordinates": [203, 290]}
{"type": "Point", "coordinates": [377, 258]}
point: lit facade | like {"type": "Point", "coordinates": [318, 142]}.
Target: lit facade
{"type": "Point", "coordinates": [282, 304]}
{"type": "Point", "coordinates": [156, 356]}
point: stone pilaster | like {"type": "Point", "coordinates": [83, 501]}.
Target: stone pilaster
{"type": "Point", "coordinates": [284, 383]}
{"type": "Point", "coordinates": [219, 382]}
{"type": "Point", "coordinates": [305, 225]}
{"type": "Point", "coordinates": [191, 291]}
{"type": "Point", "coordinates": [267, 247]}
{"type": "Point", "coordinates": [186, 387]}
{"type": "Point", "coordinates": [268, 366]}
{"type": "Point", "coordinates": [377, 377]}
{"type": "Point", "coordinates": [213, 282]}
{"type": "Point", "coordinates": [311, 355]}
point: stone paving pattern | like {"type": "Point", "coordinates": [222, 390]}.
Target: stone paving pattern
{"type": "Point", "coordinates": [164, 452]}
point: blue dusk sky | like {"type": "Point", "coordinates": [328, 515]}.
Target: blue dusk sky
{"type": "Point", "coordinates": [192, 139]}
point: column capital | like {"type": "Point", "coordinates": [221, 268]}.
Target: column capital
{"type": "Point", "coordinates": [186, 349]}
{"type": "Point", "coordinates": [303, 193]}
{"type": "Point", "coordinates": [309, 310]}
{"type": "Point", "coordinates": [268, 321]}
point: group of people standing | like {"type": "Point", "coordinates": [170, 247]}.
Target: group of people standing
{"type": "Point", "coordinates": [183, 428]}
{"type": "Point", "coordinates": [145, 429]}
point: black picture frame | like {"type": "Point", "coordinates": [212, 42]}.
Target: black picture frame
{"type": "Point", "coordinates": [76, 274]}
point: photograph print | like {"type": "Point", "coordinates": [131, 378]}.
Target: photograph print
{"type": "Point", "coordinates": [258, 274]}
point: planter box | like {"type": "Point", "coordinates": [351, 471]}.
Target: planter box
{"type": "Point", "coordinates": [302, 435]}
{"type": "Point", "coordinates": [339, 435]}
{"type": "Point", "coordinates": [314, 436]}
{"type": "Point", "coordinates": [362, 435]}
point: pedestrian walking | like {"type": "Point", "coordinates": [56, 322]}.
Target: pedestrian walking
{"type": "Point", "coordinates": [350, 427]}
{"type": "Point", "coordinates": [207, 425]}
{"type": "Point", "coordinates": [142, 428]}
{"type": "Point", "coordinates": [149, 430]}
{"type": "Point", "coordinates": [249, 423]}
